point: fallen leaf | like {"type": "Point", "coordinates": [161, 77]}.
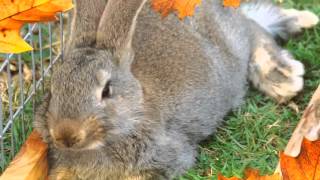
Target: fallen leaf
{"type": "Point", "coordinates": [15, 13]}
{"type": "Point", "coordinates": [184, 7]}
{"type": "Point", "coordinates": [306, 166]}
{"type": "Point", "coordinates": [301, 158]}
{"type": "Point", "coordinates": [31, 161]}
{"type": "Point", "coordinates": [308, 126]}
{"type": "Point", "coordinates": [252, 174]}
{"type": "Point", "coordinates": [221, 177]}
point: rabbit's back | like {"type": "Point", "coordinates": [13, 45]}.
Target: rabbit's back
{"type": "Point", "coordinates": [189, 70]}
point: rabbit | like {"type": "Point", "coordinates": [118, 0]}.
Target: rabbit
{"type": "Point", "coordinates": [135, 93]}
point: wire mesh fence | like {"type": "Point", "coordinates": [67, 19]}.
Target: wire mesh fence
{"type": "Point", "coordinates": [23, 80]}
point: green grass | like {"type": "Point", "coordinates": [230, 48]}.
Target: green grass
{"type": "Point", "coordinates": [253, 135]}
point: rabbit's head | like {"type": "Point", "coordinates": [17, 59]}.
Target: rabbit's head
{"type": "Point", "coordinates": [94, 96]}
{"type": "Point", "coordinates": [91, 96]}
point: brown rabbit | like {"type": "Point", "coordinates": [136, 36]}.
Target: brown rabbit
{"type": "Point", "coordinates": [136, 93]}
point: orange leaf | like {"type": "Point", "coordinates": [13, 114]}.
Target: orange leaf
{"type": "Point", "coordinates": [12, 7]}
{"type": "Point", "coordinates": [184, 7]}
{"type": "Point", "coordinates": [44, 12]}
{"type": "Point", "coordinates": [306, 166]}
{"type": "Point", "coordinates": [31, 161]}
{"type": "Point", "coordinates": [252, 174]}
{"type": "Point", "coordinates": [17, 12]}
{"type": "Point", "coordinates": [221, 177]}
{"type": "Point", "coordinates": [231, 3]}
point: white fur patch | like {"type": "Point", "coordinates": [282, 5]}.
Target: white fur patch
{"type": "Point", "coordinates": [95, 145]}
{"type": "Point", "coordinates": [297, 67]}
{"type": "Point", "coordinates": [305, 19]}
{"type": "Point", "coordinates": [274, 19]}
{"type": "Point", "coordinates": [103, 77]}
{"type": "Point", "coordinates": [265, 14]}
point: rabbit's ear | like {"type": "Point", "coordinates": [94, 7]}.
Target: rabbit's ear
{"type": "Point", "coordinates": [117, 24]}
{"type": "Point", "coordinates": [85, 22]}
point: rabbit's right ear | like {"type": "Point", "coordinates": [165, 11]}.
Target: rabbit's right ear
{"type": "Point", "coordinates": [85, 22]}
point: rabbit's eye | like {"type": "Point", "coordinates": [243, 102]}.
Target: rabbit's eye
{"type": "Point", "coordinates": [107, 91]}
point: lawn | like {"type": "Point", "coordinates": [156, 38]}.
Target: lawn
{"type": "Point", "coordinates": [253, 135]}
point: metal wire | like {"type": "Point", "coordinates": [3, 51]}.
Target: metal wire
{"type": "Point", "coordinates": [3, 161]}
{"type": "Point", "coordinates": [21, 78]}
{"type": "Point", "coordinates": [9, 79]}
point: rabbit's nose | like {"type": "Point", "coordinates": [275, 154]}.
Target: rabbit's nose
{"type": "Point", "coordinates": [67, 134]}
{"type": "Point", "coordinates": [67, 141]}
{"type": "Point", "coordinates": [67, 137]}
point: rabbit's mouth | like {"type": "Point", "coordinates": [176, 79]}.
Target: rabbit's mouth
{"type": "Point", "coordinates": [94, 145]}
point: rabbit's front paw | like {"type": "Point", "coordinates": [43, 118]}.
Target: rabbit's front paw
{"type": "Point", "coordinates": [279, 76]}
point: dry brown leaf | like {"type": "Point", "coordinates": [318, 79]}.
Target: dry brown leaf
{"type": "Point", "coordinates": [309, 126]}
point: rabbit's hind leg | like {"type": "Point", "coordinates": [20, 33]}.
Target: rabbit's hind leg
{"type": "Point", "coordinates": [275, 72]}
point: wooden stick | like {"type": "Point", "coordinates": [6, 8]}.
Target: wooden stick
{"type": "Point", "coordinates": [308, 127]}
{"type": "Point", "coordinates": [30, 163]}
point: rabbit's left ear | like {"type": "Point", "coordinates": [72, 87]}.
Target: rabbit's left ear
{"type": "Point", "coordinates": [85, 22]}
{"type": "Point", "coordinates": [117, 24]}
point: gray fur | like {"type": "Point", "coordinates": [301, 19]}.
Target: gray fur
{"type": "Point", "coordinates": [172, 83]}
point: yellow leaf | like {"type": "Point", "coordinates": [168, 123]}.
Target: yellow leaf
{"type": "Point", "coordinates": [10, 40]}
{"type": "Point", "coordinates": [17, 12]}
